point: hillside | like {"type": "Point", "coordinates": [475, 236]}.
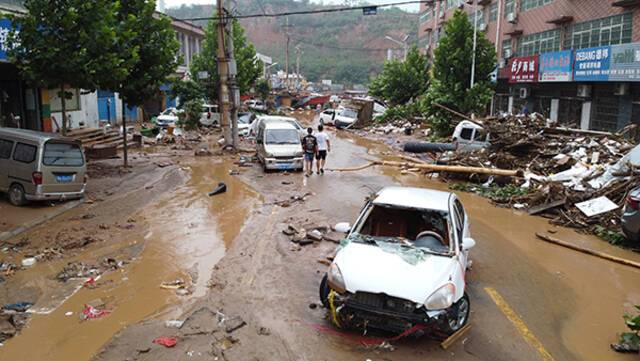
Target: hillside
{"type": "Point", "coordinates": [344, 46]}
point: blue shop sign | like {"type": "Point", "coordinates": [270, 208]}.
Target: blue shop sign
{"type": "Point", "coordinates": [592, 64]}
{"type": "Point", "coordinates": [556, 66]}
{"type": "Point", "coordinates": [5, 28]}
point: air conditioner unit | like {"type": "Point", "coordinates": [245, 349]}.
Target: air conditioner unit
{"type": "Point", "coordinates": [621, 89]}
{"type": "Point", "coordinates": [507, 53]}
{"type": "Point", "coordinates": [442, 15]}
{"type": "Point", "coordinates": [584, 90]}
{"type": "Point", "coordinates": [482, 27]}
{"type": "Point", "coordinates": [502, 63]}
{"type": "Point", "coordinates": [512, 18]}
{"type": "Point", "coordinates": [524, 93]}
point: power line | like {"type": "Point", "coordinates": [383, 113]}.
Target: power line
{"type": "Point", "coordinates": [306, 12]}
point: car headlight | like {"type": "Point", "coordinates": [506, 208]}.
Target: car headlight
{"type": "Point", "coordinates": [335, 279]}
{"type": "Point", "coordinates": [442, 298]}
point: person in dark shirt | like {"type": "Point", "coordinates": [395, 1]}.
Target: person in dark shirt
{"type": "Point", "coordinates": [310, 148]}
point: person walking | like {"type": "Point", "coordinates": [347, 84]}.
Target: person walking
{"type": "Point", "coordinates": [324, 146]}
{"type": "Point", "coordinates": [310, 148]}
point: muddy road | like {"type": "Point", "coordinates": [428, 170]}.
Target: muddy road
{"type": "Point", "coordinates": [530, 300]}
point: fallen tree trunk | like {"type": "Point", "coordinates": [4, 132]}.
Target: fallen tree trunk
{"type": "Point", "coordinates": [591, 252]}
{"type": "Point", "coordinates": [437, 168]}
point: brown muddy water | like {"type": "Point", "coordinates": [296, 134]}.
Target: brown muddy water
{"type": "Point", "coordinates": [183, 236]}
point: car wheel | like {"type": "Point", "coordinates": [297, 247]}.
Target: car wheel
{"type": "Point", "coordinates": [324, 291]}
{"type": "Point", "coordinates": [458, 316]}
{"type": "Point", "coordinates": [16, 195]}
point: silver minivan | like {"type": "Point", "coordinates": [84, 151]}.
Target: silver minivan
{"type": "Point", "coordinates": [37, 166]}
{"type": "Point", "coordinates": [278, 146]}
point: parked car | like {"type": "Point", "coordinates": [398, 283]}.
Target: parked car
{"type": "Point", "coordinates": [210, 116]}
{"type": "Point", "coordinates": [276, 118]}
{"type": "Point", "coordinates": [631, 216]}
{"type": "Point", "coordinates": [327, 117]}
{"type": "Point", "coordinates": [402, 264]}
{"type": "Point", "coordinates": [36, 166]}
{"type": "Point", "coordinates": [341, 117]}
{"type": "Point", "coordinates": [244, 123]}
{"type": "Point", "coordinates": [278, 146]}
{"type": "Point", "coordinates": [256, 104]}
{"type": "Point", "coordinates": [168, 117]}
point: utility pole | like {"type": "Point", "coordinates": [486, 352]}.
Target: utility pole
{"type": "Point", "coordinates": [475, 43]}
{"type": "Point", "coordinates": [223, 74]}
{"type": "Point", "coordinates": [286, 62]}
{"type": "Point", "coordinates": [233, 85]}
{"type": "Point", "coordinates": [298, 53]}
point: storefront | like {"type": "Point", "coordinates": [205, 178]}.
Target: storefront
{"type": "Point", "coordinates": [19, 104]}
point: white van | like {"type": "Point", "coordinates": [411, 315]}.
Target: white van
{"type": "Point", "coordinates": [278, 146]}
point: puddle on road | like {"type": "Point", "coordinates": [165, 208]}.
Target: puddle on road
{"type": "Point", "coordinates": [185, 234]}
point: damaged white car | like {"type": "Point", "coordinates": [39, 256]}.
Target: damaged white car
{"type": "Point", "coordinates": [402, 265]}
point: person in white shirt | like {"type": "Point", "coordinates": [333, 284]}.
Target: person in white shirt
{"type": "Point", "coordinates": [324, 146]}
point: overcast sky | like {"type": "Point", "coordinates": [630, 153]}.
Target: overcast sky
{"type": "Point", "coordinates": [175, 3]}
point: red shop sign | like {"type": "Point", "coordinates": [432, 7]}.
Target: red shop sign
{"type": "Point", "coordinates": [523, 70]}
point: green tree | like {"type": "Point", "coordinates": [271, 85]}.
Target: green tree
{"type": "Point", "coordinates": [186, 91]}
{"type": "Point", "coordinates": [248, 67]}
{"type": "Point", "coordinates": [451, 81]}
{"type": "Point", "coordinates": [147, 47]}
{"type": "Point", "coordinates": [401, 81]}
{"type": "Point", "coordinates": [263, 89]}
{"type": "Point", "coordinates": [66, 43]}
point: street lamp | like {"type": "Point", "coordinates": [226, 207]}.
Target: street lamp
{"type": "Point", "coordinates": [403, 43]}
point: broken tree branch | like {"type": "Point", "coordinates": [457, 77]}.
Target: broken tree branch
{"type": "Point", "coordinates": [591, 252]}
{"type": "Point", "coordinates": [437, 168]}
{"type": "Point", "coordinates": [457, 113]}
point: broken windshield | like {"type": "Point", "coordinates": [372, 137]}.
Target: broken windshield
{"type": "Point", "coordinates": [424, 229]}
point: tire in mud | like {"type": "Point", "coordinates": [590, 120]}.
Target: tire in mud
{"type": "Point", "coordinates": [324, 291]}
{"type": "Point", "coordinates": [458, 316]}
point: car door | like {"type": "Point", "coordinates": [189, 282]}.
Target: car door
{"type": "Point", "coordinates": [462, 229]}
{"type": "Point", "coordinates": [6, 147]}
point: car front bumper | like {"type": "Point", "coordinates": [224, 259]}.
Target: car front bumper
{"type": "Point", "coordinates": [54, 196]}
{"type": "Point", "coordinates": [283, 164]}
{"type": "Point", "coordinates": [359, 314]}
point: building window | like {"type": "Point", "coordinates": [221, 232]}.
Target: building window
{"type": "Point", "coordinates": [509, 7]}
{"type": "Point", "coordinates": [538, 43]}
{"type": "Point", "coordinates": [611, 30]}
{"type": "Point", "coordinates": [454, 3]}
{"type": "Point", "coordinates": [506, 49]}
{"type": "Point", "coordinates": [493, 12]}
{"type": "Point", "coordinates": [426, 16]}
{"type": "Point", "coordinates": [480, 15]}
{"type": "Point", "coordinates": [532, 4]}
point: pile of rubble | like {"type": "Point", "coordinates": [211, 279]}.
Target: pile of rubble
{"type": "Point", "coordinates": [563, 168]}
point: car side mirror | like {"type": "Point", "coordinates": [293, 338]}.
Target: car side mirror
{"type": "Point", "coordinates": [468, 243]}
{"type": "Point", "coordinates": [342, 227]}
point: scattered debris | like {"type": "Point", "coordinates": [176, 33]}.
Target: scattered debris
{"type": "Point", "coordinates": [173, 285]}
{"type": "Point", "coordinates": [18, 307]}
{"type": "Point", "coordinates": [263, 331]}
{"type": "Point", "coordinates": [221, 188]}
{"type": "Point", "coordinates": [173, 323]}
{"type": "Point", "coordinates": [166, 341]}
{"type": "Point", "coordinates": [596, 206]}
{"type": "Point", "coordinates": [233, 323]}
{"type": "Point", "coordinates": [315, 235]}
{"type": "Point", "coordinates": [28, 262]}
{"type": "Point", "coordinates": [90, 312]}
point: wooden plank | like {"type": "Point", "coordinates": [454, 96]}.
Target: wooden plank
{"type": "Point", "coordinates": [545, 207]}
{"type": "Point", "coordinates": [455, 337]}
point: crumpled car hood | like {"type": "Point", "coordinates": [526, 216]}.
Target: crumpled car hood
{"type": "Point", "coordinates": [368, 268]}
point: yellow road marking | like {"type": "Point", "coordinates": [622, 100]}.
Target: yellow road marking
{"type": "Point", "coordinates": [518, 323]}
